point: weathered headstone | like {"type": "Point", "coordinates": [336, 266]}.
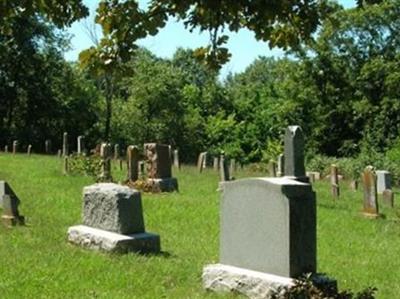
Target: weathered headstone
{"type": "Point", "coordinates": [371, 208]}
{"type": "Point", "coordinates": [116, 151]}
{"type": "Point", "coordinates": [29, 150]}
{"type": "Point", "coordinates": [272, 168]}
{"type": "Point", "coordinates": [159, 168]}
{"type": "Point", "coordinates": [47, 146]}
{"type": "Point", "coordinates": [15, 146]}
{"type": "Point", "coordinates": [223, 169]}
{"type": "Point", "coordinates": [113, 221]}
{"type": "Point", "coordinates": [132, 155]}
{"type": "Point", "coordinates": [281, 166]}
{"type": "Point", "coordinates": [315, 174]}
{"type": "Point", "coordinates": [9, 203]}
{"type": "Point", "coordinates": [176, 159]}
{"type": "Point", "coordinates": [6, 148]}
{"type": "Point", "coordinates": [205, 160]}
{"type": "Point", "coordinates": [65, 165]}
{"type": "Point", "coordinates": [81, 149]}
{"type": "Point", "coordinates": [65, 149]}
{"type": "Point", "coordinates": [294, 154]}
{"type": "Point", "coordinates": [311, 177]}
{"type": "Point", "coordinates": [335, 189]}
{"type": "Point", "coordinates": [384, 180]}
{"type": "Point", "coordinates": [267, 233]}
{"type": "Point", "coordinates": [354, 185]}
{"type": "Point", "coordinates": [59, 153]}
{"type": "Point", "coordinates": [216, 163]}
{"type": "Point", "coordinates": [201, 161]}
{"type": "Point", "coordinates": [388, 197]}
{"type": "Point", "coordinates": [105, 155]}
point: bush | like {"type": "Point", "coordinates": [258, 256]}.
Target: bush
{"type": "Point", "coordinates": [85, 165]}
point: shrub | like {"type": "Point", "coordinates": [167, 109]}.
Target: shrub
{"type": "Point", "coordinates": [85, 165]}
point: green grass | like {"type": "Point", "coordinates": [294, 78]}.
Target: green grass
{"type": "Point", "coordinates": [37, 261]}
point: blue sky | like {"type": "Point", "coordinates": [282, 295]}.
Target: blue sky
{"type": "Point", "coordinates": [242, 45]}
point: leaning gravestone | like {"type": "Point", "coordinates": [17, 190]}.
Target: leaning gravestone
{"type": "Point", "coordinates": [113, 221]}
{"type": "Point", "coordinates": [9, 202]}
{"type": "Point", "coordinates": [371, 208]}
{"type": "Point", "coordinates": [267, 230]}
{"type": "Point", "coordinates": [159, 168]}
{"type": "Point", "coordinates": [383, 181]}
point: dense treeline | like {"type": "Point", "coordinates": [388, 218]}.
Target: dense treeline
{"type": "Point", "coordinates": [342, 89]}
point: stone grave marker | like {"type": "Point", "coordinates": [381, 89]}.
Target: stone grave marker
{"type": "Point", "coordinates": [133, 162]}
{"type": "Point", "coordinates": [176, 159]}
{"type": "Point", "coordinates": [65, 149]}
{"type": "Point", "coordinates": [272, 168]}
{"type": "Point", "coordinates": [59, 153]}
{"type": "Point", "coordinates": [9, 202]}
{"type": "Point", "coordinates": [47, 146]}
{"type": "Point", "coordinates": [335, 189]}
{"type": "Point", "coordinates": [224, 174]}
{"type": "Point", "coordinates": [113, 221]}
{"type": "Point", "coordinates": [6, 148]}
{"type": "Point", "coordinates": [29, 150]}
{"type": "Point", "coordinates": [232, 167]}
{"type": "Point", "coordinates": [81, 149]}
{"type": "Point", "coordinates": [65, 165]}
{"type": "Point", "coordinates": [371, 208]}
{"type": "Point", "coordinates": [216, 163]}
{"type": "Point", "coordinates": [388, 197]}
{"type": "Point", "coordinates": [281, 166]}
{"type": "Point", "coordinates": [267, 230]}
{"type": "Point", "coordinates": [384, 180]}
{"type": "Point", "coordinates": [159, 171]}
{"type": "Point", "coordinates": [15, 146]}
{"type": "Point", "coordinates": [105, 155]}
{"type": "Point", "coordinates": [315, 174]}
{"type": "Point", "coordinates": [201, 161]}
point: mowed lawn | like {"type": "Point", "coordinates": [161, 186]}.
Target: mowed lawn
{"type": "Point", "coordinates": [36, 261]}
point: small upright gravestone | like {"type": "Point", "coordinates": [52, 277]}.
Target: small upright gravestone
{"type": "Point", "coordinates": [177, 165]}
{"type": "Point", "coordinates": [388, 197]}
{"type": "Point", "coordinates": [47, 146]}
{"type": "Point", "coordinates": [232, 167]}
{"type": "Point", "coordinates": [6, 148]}
{"type": "Point", "coordinates": [216, 163]}
{"type": "Point", "coordinates": [29, 150]}
{"type": "Point", "coordinates": [105, 155]}
{"type": "Point", "coordinates": [201, 161]}
{"type": "Point", "coordinates": [224, 174]}
{"type": "Point", "coordinates": [159, 168]}
{"type": "Point", "coordinates": [272, 168]}
{"type": "Point", "coordinates": [9, 203]}
{"type": "Point", "coordinates": [132, 155]}
{"type": "Point", "coordinates": [335, 182]}
{"type": "Point", "coordinates": [113, 221]}
{"type": "Point", "coordinates": [267, 230]}
{"type": "Point", "coordinates": [81, 145]}
{"type": "Point", "coordinates": [65, 149]}
{"type": "Point", "coordinates": [15, 146]}
{"type": "Point", "coordinates": [371, 208]}
{"type": "Point", "coordinates": [383, 181]}
{"type": "Point", "coordinates": [281, 166]}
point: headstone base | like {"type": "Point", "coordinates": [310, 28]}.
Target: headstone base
{"type": "Point", "coordinates": [253, 284]}
{"type": "Point", "coordinates": [98, 239]}
{"type": "Point", "coordinates": [163, 185]}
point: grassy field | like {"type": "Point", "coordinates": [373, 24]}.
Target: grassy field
{"type": "Point", "coordinates": [37, 261]}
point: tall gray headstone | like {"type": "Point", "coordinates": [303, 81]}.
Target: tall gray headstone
{"type": "Point", "coordinates": [65, 149]}
{"type": "Point", "coordinates": [105, 154]}
{"type": "Point", "coordinates": [113, 221]}
{"type": "Point", "coordinates": [335, 189]}
{"type": "Point", "coordinates": [384, 180]}
{"type": "Point", "coordinates": [132, 154]}
{"type": "Point", "coordinates": [29, 149]}
{"type": "Point", "coordinates": [371, 208]}
{"type": "Point", "coordinates": [294, 153]}
{"type": "Point", "coordinates": [176, 159]}
{"type": "Point", "coordinates": [81, 145]}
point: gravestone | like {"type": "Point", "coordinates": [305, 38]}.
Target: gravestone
{"type": "Point", "coordinates": [15, 146]}
{"type": "Point", "coordinates": [354, 185]}
{"type": "Point", "coordinates": [65, 149]}
{"type": "Point", "coordinates": [315, 174]}
{"type": "Point", "coordinates": [47, 146]}
{"type": "Point", "coordinates": [116, 151]}
{"type": "Point", "coordinates": [105, 155]}
{"type": "Point", "coordinates": [272, 168]}
{"type": "Point", "coordinates": [223, 169]}
{"type": "Point", "coordinates": [281, 166]}
{"type": "Point", "coordinates": [29, 150]}
{"type": "Point", "coordinates": [388, 197]}
{"type": "Point", "coordinates": [159, 171]}
{"type": "Point", "coordinates": [232, 167]}
{"type": "Point", "coordinates": [294, 154]}
{"type": "Point", "coordinates": [215, 163]}
{"type": "Point", "coordinates": [311, 177]}
{"type": "Point", "coordinates": [9, 202]}
{"type": "Point", "coordinates": [6, 148]}
{"type": "Point", "coordinates": [267, 231]}
{"type": "Point", "coordinates": [81, 149]}
{"type": "Point", "coordinates": [371, 208]}
{"type": "Point", "coordinates": [132, 155]}
{"type": "Point", "coordinates": [384, 180]}
{"type": "Point", "coordinates": [65, 165]}
{"type": "Point", "coordinates": [176, 159]}
{"type": "Point", "coordinates": [201, 161]}
{"type": "Point", "coordinates": [335, 189]}
{"type": "Point", "coordinates": [59, 153]}
{"type": "Point", "coordinates": [113, 221]}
